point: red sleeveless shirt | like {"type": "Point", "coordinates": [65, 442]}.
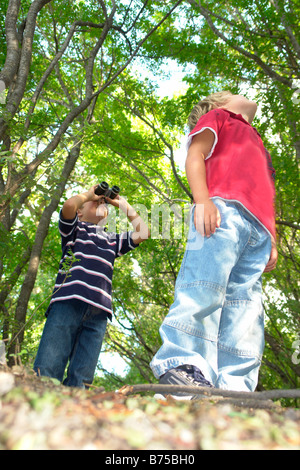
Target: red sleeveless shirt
{"type": "Point", "coordinates": [239, 168]}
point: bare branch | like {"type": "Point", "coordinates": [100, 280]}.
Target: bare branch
{"type": "Point", "coordinates": [210, 392]}
{"type": "Point", "coordinates": [288, 224]}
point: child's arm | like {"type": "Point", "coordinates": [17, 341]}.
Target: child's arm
{"type": "Point", "coordinates": [141, 229]}
{"type": "Point", "coordinates": [71, 206]}
{"type": "Point", "coordinates": [207, 216]}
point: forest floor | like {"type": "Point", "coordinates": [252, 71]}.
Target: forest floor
{"type": "Point", "coordinates": [39, 414]}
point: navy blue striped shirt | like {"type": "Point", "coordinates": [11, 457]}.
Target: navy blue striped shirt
{"type": "Point", "coordinates": [89, 276]}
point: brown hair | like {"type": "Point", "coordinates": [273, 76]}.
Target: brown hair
{"type": "Point", "coordinates": [215, 100]}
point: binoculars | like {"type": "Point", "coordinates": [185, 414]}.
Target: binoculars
{"type": "Point", "coordinates": [103, 189]}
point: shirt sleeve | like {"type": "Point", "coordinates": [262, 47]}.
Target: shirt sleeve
{"type": "Point", "coordinates": [66, 228]}
{"type": "Point", "coordinates": [213, 120]}
{"type": "Point", "coordinates": [125, 243]}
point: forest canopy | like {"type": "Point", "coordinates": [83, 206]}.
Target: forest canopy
{"type": "Point", "coordinates": [81, 102]}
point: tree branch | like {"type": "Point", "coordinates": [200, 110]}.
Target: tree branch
{"type": "Point", "coordinates": [156, 131]}
{"type": "Point", "coordinates": [288, 224]}
{"type": "Point", "coordinates": [210, 392]}
{"type": "Point", "coordinates": [23, 64]}
{"type": "Point", "coordinates": [139, 45]}
{"type": "Point", "coordinates": [287, 28]}
{"type": "Point", "coordinates": [268, 70]}
{"type": "Point", "coordinates": [10, 68]}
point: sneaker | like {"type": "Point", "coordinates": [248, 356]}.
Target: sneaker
{"type": "Point", "coordinates": [184, 375]}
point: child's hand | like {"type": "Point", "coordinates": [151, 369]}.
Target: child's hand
{"type": "Point", "coordinates": [207, 218]}
{"type": "Point", "coordinates": [273, 258]}
{"type": "Point", "coordinates": [118, 201]}
{"type": "Point", "coordinates": [91, 196]}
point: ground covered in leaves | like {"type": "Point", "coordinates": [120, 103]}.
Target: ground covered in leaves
{"type": "Point", "coordinates": [39, 414]}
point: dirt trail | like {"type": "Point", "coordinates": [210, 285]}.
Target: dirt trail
{"type": "Point", "coordinates": [37, 413]}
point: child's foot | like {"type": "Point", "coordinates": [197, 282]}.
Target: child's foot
{"type": "Point", "coordinates": [184, 375]}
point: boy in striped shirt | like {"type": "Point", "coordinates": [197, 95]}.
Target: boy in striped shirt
{"type": "Point", "coordinates": [81, 301]}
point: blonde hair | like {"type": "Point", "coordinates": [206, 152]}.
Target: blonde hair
{"type": "Point", "coordinates": [215, 100]}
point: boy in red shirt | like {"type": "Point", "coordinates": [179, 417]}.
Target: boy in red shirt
{"type": "Point", "coordinates": [214, 332]}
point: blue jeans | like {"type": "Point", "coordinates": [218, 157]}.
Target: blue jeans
{"type": "Point", "coordinates": [73, 332]}
{"type": "Point", "coordinates": [216, 322]}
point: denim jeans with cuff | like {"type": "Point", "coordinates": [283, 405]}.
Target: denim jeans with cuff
{"type": "Point", "coordinates": [216, 322]}
{"type": "Point", "coordinates": [74, 331]}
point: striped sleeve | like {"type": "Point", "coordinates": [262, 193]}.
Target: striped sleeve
{"type": "Point", "coordinates": [125, 243]}
{"type": "Point", "coordinates": [66, 228]}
